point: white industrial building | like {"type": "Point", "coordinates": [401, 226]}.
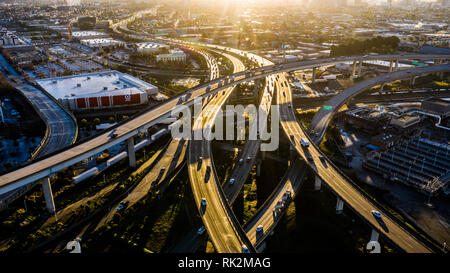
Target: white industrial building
{"type": "Point", "coordinates": [150, 47]}
{"type": "Point", "coordinates": [101, 42]}
{"type": "Point", "coordinates": [106, 89]}
{"type": "Point", "coordinates": [88, 34]}
{"type": "Point", "coordinates": [175, 55]}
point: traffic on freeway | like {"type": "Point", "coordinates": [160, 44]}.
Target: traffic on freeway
{"type": "Point", "coordinates": [339, 183]}
{"type": "Point", "coordinates": [222, 229]}
{"type": "Point", "coordinates": [46, 166]}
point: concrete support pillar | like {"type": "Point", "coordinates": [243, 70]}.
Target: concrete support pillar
{"type": "Point", "coordinates": [339, 205]}
{"type": "Point", "coordinates": [317, 183]}
{"type": "Point", "coordinates": [354, 68]}
{"type": "Point", "coordinates": [131, 152]}
{"type": "Point", "coordinates": [360, 68]}
{"type": "Point", "coordinates": [391, 64]}
{"type": "Point", "coordinates": [263, 155]}
{"type": "Point", "coordinates": [413, 80]}
{"type": "Point", "coordinates": [48, 195]}
{"type": "Point", "coordinates": [314, 75]}
{"type": "Point", "coordinates": [374, 235]}
{"type": "Point", "coordinates": [382, 87]}
{"type": "Point", "coordinates": [396, 65]}
{"type": "Point", "coordinates": [258, 168]}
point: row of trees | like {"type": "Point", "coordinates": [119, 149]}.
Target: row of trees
{"type": "Point", "coordinates": [381, 45]}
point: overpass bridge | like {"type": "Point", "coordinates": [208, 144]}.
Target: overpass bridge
{"type": "Point", "coordinates": [47, 166]}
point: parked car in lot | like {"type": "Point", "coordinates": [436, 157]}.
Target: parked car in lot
{"type": "Point", "coordinates": [203, 202]}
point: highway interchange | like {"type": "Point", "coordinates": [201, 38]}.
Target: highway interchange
{"type": "Point", "coordinates": [224, 232]}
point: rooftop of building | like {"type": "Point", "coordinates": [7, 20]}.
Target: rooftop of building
{"type": "Point", "coordinates": [93, 84]}
{"type": "Point", "coordinates": [87, 33]}
{"type": "Point", "coordinates": [99, 41]}
{"type": "Point", "coordinates": [150, 45]}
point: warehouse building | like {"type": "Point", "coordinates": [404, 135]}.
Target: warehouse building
{"type": "Point", "coordinates": [150, 47]}
{"type": "Point", "coordinates": [101, 42]}
{"type": "Point", "coordinates": [88, 34]}
{"type": "Point", "coordinates": [106, 89]}
{"type": "Point", "coordinates": [175, 55]}
{"type": "Point", "coordinates": [12, 42]}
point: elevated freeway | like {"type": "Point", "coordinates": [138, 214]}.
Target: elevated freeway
{"type": "Point", "coordinates": [47, 166]}
{"type": "Point", "coordinates": [341, 185]}
{"type": "Point", "coordinates": [61, 127]}
{"type": "Point", "coordinates": [222, 227]}
{"type": "Point", "coordinates": [171, 159]}
{"type": "Point", "coordinates": [322, 118]}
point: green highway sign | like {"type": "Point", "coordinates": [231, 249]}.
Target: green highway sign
{"type": "Point", "coordinates": [328, 107]}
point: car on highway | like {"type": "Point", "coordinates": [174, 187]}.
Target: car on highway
{"type": "Point", "coordinates": [122, 205]}
{"type": "Point", "coordinates": [241, 161]}
{"type": "Point", "coordinates": [231, 181]}
{"type": "Point", "coordinates": [249, 158]}
{"type": "Point", "coordinates": [287, 195]}
{"type": "Point", "coordinates": [377, 214]}
{"type": "Point", "coordinates": [245, 249]}
{"type": "Point", "coordinates": [207, 173]}
{"type": "Point", "coordinates": [259, 229]}
{"type": "Point", "coordinates": [201, 230]}
{"type": "Point", "coordinates": [304, 142]}
{"type": "Point", "coordinates": [203, 202]}
{"type": "Point", "coordinates": [279, 205]}
{"type": "Point", "coordinates": [114, 135]}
